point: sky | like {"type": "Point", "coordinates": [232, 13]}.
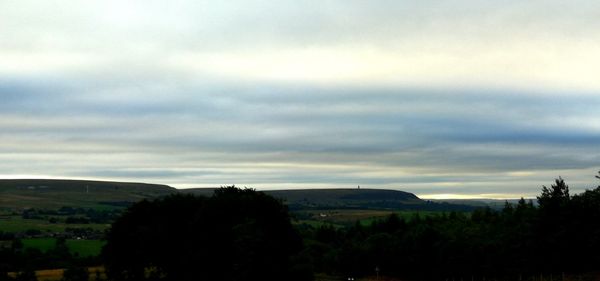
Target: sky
{"type": "Point", "coordinates": [445, 99]}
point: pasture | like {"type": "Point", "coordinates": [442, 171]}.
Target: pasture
{"type": "Point", "coordinates": [16, 224]}
{"type": "Point", "coordinates": [79, 248]}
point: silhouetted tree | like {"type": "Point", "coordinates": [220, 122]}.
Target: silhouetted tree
{"type": "Point", "coordinates": [237, 234]}
{"type": "Point", "coordinates": [555, 197]}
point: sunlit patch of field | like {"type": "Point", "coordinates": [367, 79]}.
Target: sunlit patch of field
{"type": "Point", "coordinates": [96, 273]}
{"type": "Point", "coordinates": [49, 274]}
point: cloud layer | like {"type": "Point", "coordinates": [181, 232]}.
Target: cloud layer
{"type": "Point", "coordinates": [438, 97]}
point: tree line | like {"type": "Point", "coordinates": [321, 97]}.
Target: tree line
{"type": "Point", "coordinates": [559, 236]}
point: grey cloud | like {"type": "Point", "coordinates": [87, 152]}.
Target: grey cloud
{"type": "Point", "coordinates": [334, 120]}
{"type": "Point", "coordinates": [144, 174]}
{"type": "Point", "coordinates": [129, 115]}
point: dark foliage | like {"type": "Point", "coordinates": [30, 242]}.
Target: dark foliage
{"type": "Point", "coordinates": [76, 273]}
{"type": "Point", "coordinates": [562, 235]}
{"type": "Point", "coordinates": [237, 234]}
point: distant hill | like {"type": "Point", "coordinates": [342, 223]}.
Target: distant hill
{"type": "Point", "coordinates": [347, 198]}
{"type": "Point", "coordinates": [42, 193]}
{"type": "Point", "coordinates": [53, 194]}
{"type": "Point", "coordinates": [300, 199]}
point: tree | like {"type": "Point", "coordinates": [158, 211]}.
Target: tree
{"type": "Point", "coordinates": [237, 234]}
{"type": "Point", "coordinates": [554, 198]}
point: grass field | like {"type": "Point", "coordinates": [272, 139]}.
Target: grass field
{"type": "Point", "coordinates": [85, 248]}
{"type": "Point", "coordinates": [81, 248]}
{"type": "Point", "coordinates": [16, 224]}
{"type": "Point", "coordinates": [42, 244]}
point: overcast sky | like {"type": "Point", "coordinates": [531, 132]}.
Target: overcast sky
{"type": "Point", "coordinates": [438, 98]}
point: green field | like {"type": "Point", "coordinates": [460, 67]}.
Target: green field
{"type": "Point", "coordinates": [17, 224]}
{"type": "Point", "coordinates": [42, 244]}
{"type": "Point", "coordinates": [81, 248]}
{"type": "Point", "coordinates": [85, 248]}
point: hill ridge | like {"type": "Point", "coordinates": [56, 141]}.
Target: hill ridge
{"type": "Point", "coordinates": [56, 193]}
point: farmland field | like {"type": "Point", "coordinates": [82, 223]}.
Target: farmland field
{"type": "Point", "coordinates": [16, 224]}
{"type": "Point", "coordinates": [42, 244]}
{"type": "Point", "coordinates": [81, 248]}
{"type": "Point", "coordinates": [85, 248]}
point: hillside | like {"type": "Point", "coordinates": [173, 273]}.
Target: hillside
{"type": "Point", "coordinates": [301, 199]}
{"type": "Point", "coordinates": [42, 193]}
{"type": "Point", "coordinates": [347, 198]}
{"type": "Point", "coordinates": [53, 194]}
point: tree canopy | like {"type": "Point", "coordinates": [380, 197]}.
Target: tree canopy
{"type": "Point", "coordinates": [237, 234]}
